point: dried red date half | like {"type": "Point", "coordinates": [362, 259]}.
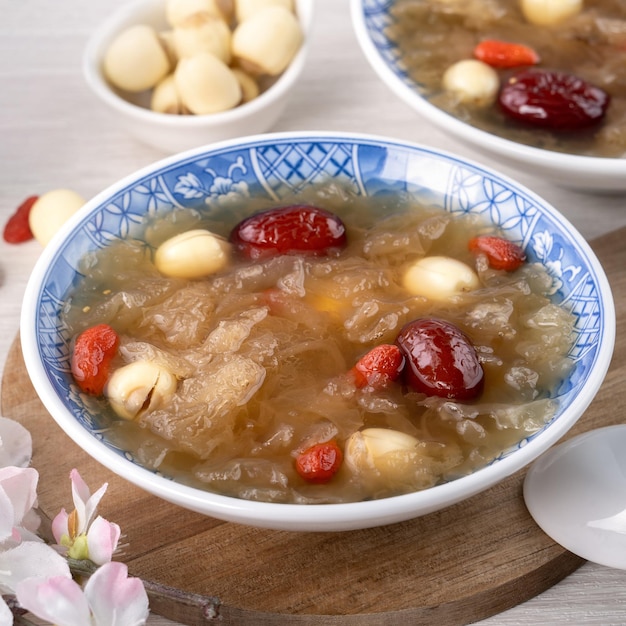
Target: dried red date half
{"type": "Point", "coordinates": [553, 100]}
{"type": "Point", "coordinates": [297, 229]}
{"type": "Point", "coordinates": [440, 360]}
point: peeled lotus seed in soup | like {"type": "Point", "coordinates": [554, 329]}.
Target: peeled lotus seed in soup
{"type": "Point", "coordinates": [264, 351]}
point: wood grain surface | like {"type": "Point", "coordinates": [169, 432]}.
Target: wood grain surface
{"type": "Point", "coordinates": [454, 567]}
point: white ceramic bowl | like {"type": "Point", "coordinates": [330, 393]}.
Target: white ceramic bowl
{"type": "Point", "coordinates": [175, 133]}
{"type": "Point", "coordinates": [371, 19]}
{"type": "Point", "coordinates": [275, 165]}
{"type": "Point", "coordinates": [575, 494]}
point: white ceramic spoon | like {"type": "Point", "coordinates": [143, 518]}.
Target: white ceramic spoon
{"type": "Point", "coordinates": [576, 492]}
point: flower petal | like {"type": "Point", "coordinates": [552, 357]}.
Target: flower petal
{"type": "Point", "coordinates": [30, 560]}
{"type": "Point", "coordinates": [85, 502]}
{"type": "Point", "coordinates": [7, 517]}
{"type": "Point", "coordinates": [16, 445]}
{"type": "Point", "coordinates": [114, 598]}
{"type": "Point", "coordinates": [20, 484]}
{"type": "Point", "coordinates": [102, 539]}
{"type": "Point", "coordinates": [60, 525]}
{"type": "Point", "coordinates": [58, 600]}
{"type": "Point", "coordinates": [31, 521]}
{"type": "Point", "coordinates": [6, 615]}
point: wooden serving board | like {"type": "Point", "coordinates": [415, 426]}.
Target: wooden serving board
{"type": "Point", "coordinates": [454, 567]}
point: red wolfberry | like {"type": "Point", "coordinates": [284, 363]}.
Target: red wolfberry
{"type": "Point", "coordinates": [501, 254]}
{"type": "Point", "coordinates": [17, 230]}
{"type": "Point", "coordinates": [503, 54]}
{"type": "Point", "coordinates": [91, 358]}
{"type": "Point", "coordinates": [379, 367]}
{"type": "Point", "coordinates": [319, 463]}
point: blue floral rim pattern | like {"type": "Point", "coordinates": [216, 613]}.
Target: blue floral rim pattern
{"type": "Point", "coordinates": [275, 167]}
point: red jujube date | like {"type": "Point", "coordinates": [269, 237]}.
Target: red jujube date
{"type": "Point", "coordinates": [440, 360]}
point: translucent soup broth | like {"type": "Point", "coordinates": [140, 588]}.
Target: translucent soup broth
{"type": "Point", "coordinates": [256, 385]}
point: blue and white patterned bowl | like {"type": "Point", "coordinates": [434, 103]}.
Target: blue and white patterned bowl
{"type": "Point", "coordinates": [371, 20]}
{"type": "Point", "coordinates": [274, 166]}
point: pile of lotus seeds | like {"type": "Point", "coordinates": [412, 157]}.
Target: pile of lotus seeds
{"type": "Point", "coordinates": [212, 57]}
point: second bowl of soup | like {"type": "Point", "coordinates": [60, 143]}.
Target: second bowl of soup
{"type": "Point", "coordinates": [543, 90]}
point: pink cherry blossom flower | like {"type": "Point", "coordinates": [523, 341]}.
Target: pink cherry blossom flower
{"type": "Point", "coordinates": [27, 560]}
{"type": "Point", "coordinates": [18, 496]}
{"type": "Point", "coordinates": [82, 536]}
{"type": "Point", "coordinates": [22, 553]}
{"type": "Point", "coordinates": [110, 598]}
{"type": "Point", "coordinates": [36, 573]}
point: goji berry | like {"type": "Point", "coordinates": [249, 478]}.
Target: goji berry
{"type": "Point", "coordinates": [503, 54]}
{"type": "Point", "coordinates": [319, 463]}
{"type": "Point", "coordinates": [379, 367]}
{"type": "Point", "coordinates": [17, 229]}
{"type": "Point", "coordinates": [501, 253]}
{"type": "Point", "coordinates": [91, 358]}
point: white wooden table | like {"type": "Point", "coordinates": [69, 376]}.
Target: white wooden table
{"type": "Point", "coordinates": [53, 134]}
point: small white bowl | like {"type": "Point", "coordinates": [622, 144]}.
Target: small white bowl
{"type": "Point", "coordinates": [175, 133]}
{"type": "Point", "coordinates": [276, 166]}
{"type": "Point", "coordinates": [371, 20]}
